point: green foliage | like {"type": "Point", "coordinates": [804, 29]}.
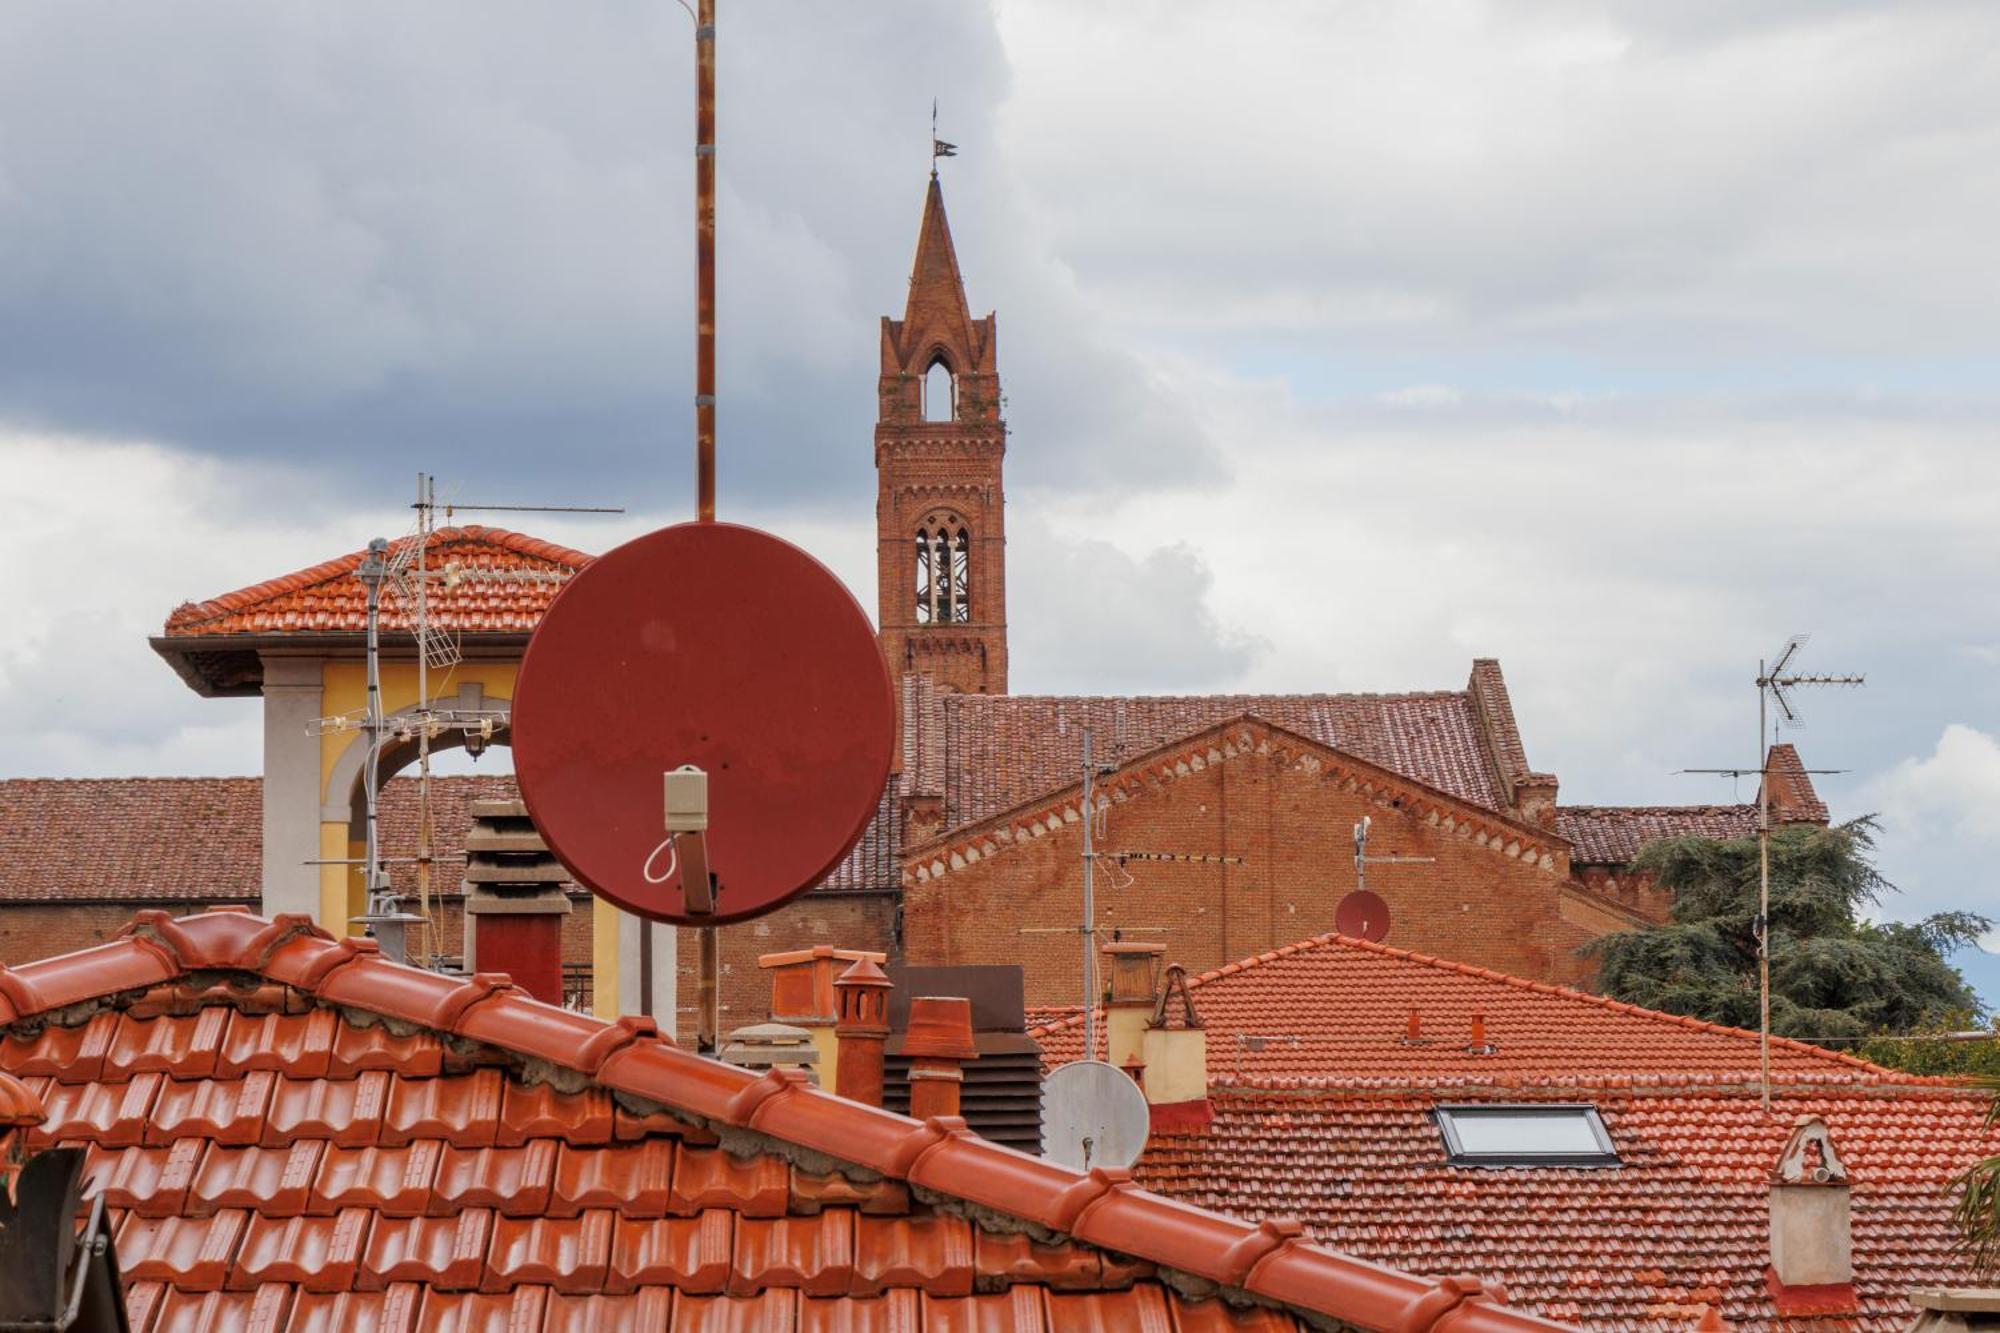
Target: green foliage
{"type": "Point", "coordinates": [1976, 1211]}
{"type": "Point", "coordinates": [1833, 975]}
{"type": "Point", "coordinates": [1935, 1051]}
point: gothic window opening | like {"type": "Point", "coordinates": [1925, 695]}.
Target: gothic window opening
{"type": "Point", "coordinates": [940, 393]}
{"type": "Point", "coordinates": [944, 571]}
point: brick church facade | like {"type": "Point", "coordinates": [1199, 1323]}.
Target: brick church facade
{"type": "Point", "coordinates": [1224, 823]}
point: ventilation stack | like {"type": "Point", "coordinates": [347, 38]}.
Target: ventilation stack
{"type": "Point", "coordinates": [766, 1046]}
{"type": "Point", "coordinates": [514, 900]}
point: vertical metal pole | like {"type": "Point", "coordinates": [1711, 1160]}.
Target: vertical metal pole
{"type": "Point", "coordinates": [372, 571]}
{"type": "Point", "coordinates": [1089, 904]}
{"type": "Point", "coordinates": [704, 403]}
{"type": "Point", "coordinates": [710, 1037]}
{"type": "Point", "coordinates": [1763, 896]}
{"type": "Point", "coordinates": [424, 493]}
{"type": "Point", "coordinates": [704, 299]}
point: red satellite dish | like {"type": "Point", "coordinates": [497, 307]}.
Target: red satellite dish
{"type": "Point", "coordinates": [1363, 915]}
{"type": "Point", "coordinates": [722, 647]}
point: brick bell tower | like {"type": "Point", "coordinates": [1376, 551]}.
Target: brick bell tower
{"type": "Point", "coordinates": [941, 540]}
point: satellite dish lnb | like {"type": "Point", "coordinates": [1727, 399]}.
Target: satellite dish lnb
{"type": "Point", "coordinates": [1093, 1114]}
{"type": "Point", "coordinates": [732, 670]}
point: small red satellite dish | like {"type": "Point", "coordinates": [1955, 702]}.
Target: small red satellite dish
{"type": "Point", "coordinates": [1363, 915]}
{"type": "Point", "coordinates": [725, 648]}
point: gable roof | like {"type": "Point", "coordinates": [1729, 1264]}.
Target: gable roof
{"type": "Point", "coordinates": [496, 583]}
{"type": "Point", "coordinates": [989, 753]}
{"type": "Point", "coordinates": [294, 1132]}
{"type": "Point", "coordinates": [1335, 1011]}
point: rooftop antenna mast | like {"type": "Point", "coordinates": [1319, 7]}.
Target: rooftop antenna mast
{"type": "Point", "coordinates": [710, 961]}
{"type": "Point", "coordinates": [1776, 678]}
{"type": "Point", "coordinates": [1091, 856]}
{"type": "Point", "coordinates": [1362, 860]}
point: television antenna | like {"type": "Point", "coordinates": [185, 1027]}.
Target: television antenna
{"type": "Point", "coordinates": [1776, 679]}
{"type": "Point", "coordinates": [1363, 913]}
{"type": "Point", "coordinates": [401, 570]}
{"type": "Point", "coordinates": [1088, 928]}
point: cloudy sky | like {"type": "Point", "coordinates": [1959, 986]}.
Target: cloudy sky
{"type": "Point", "coordinates": [1342, 342]}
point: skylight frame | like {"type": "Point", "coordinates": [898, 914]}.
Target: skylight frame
{"type": "Point", "coordinates": [1456, 1154]}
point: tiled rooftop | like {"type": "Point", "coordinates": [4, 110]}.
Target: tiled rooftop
{"type": "Point", "coordinates": [137, 830]}
{"type": "Point", "coordinates": [1682, 1227]}
{"type": "Point", "coordinates": [1336, 1008]}
{"type": "Point", "coordinates": [1613, 834]}
{"type": "Point", "coordinates": [1323, 1109]}
{"type": "Point", "coordinates": [998, 751]}
{"type": "Point", "coordinates": [327, 598]}
{"type": "Point", "coordinates": [293, 1133]}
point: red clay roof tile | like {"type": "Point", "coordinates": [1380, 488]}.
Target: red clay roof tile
{"type": "Point", "coordinates": [396, 1182]}
{"type": "Point", "coordinates": [514, 1180]}
{"type": "Point", "coordinates": [517, 1311]}
{"type": "Point", "coordinates": [391, 1311]}
{"type": "Point", "coordinates": [327, 598]}
{"type": "Point", "coordinates": [317, 1253]}
{"type": "Point", "coordinates": [345, 1112]}
{"type": "Point", "coordinates": [569, 1254]}
{"type": "Point", "coordinates": [649, 1308]}
{"type": "Point", "coordinates": [636, 1179]}
{"type": "Point", "coordinates": [340, 1153]}
{"type": "Point", "coordinates": [276, 1182]}
{"type": "Point", "coordinates": [689, 1253]}
{"type": "Point", "coordinates": [261, 1311]}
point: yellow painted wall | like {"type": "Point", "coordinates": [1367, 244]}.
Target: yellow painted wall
{"type": "Point", "coordinates": [342, 894]}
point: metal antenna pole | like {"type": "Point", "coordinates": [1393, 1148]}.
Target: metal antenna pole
{"type": "Point", "coordinates": [1764, 896]}
{"type": "Point", "coordinates": [709, 1023]}
{"type": "Point", "coordinates": [1089, 903]}
{"type": "Point", "coordinates": [373, 569]}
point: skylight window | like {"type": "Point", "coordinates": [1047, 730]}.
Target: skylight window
{"type": "Point", "coordinates": [1535, 1135]}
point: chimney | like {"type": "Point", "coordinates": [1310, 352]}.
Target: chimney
{"type": "Point", "coordinates": [862, 997]}
{"type": "Point", "coordinates": [802, 994]}
{"type": "Point", "coordinates": [1812, 1240]}
{"type": "Point", "coordinates": [764, 1046]}
{"type": "Point", "coordinates": [1175, 1056]}
{"type": "Point", "coordinates": [938, 1044]}
{"type": "Point", "coordinates": [1000, 1096]}
{"type": "Point", "coordinates": [1131, 971]}
{"type": "Point", "coordinates": [514, 900]}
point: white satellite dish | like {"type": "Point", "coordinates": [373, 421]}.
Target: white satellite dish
{"type": "Point", "coordinates": [1093, 1114]}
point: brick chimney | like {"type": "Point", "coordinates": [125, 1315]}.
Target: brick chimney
{"type": "Point", "coordinates": [514, 900]}
{"type": "Point", "coordinates": [1175, 1055]}
{"type": "Point", "coordinates": [938, 1044]}
{"type": "Point", "coordinates": [1812, 1239]}
{"type": "Point", "coordinates": [862, 998]}
{"type": "Point", "coordinates": [1132, 971]}
{"type": "Point", "coordinates": [802, 994]}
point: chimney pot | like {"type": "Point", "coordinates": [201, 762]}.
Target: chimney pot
{"type": "Point", "coordinates": [938, 1042]}
{"type": "Point", "coordinates": [863, 1029]}
{"type": "Point", "coordinates": [1415, 1033]}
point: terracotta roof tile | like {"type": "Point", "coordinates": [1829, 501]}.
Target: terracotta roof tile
{"type": "Point", "coordinates": [1332, 1007]}
{"type": "Point", "coordinates": [309, 1185]}
{"type": "Point", "coordinates": [999, 751]}
{"type": "Point", "coordinates": [137, 830]}
{"type": "Point", "coordinates": [1324, 1112]}
{"type": "Point", "coordinates": [1614, 834]}
{"type": "Point", "coordinates": [328, 598]}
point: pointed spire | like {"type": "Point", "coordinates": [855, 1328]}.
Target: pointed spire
{"type": "Point", "coordinates": [936, 289]}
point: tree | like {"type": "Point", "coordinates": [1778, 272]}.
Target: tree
{"type": "Point", "coordinates": [1833, 975]}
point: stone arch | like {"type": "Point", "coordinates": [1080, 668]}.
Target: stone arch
{"type": "Point", "coordinates": [343, 800]}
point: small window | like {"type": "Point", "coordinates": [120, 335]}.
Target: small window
{"type": "Point", "coordinates": [1535, 1135]}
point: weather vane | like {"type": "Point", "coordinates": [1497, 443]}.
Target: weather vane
{"type": "Point", "coordinates": [939, 148]}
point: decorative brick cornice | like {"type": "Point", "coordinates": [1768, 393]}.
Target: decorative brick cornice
{"type": "Point", "coordinates": [1219, 744]}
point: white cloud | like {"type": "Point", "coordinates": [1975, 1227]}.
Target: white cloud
{"type": "Point", "coordinates": [1952, 792]}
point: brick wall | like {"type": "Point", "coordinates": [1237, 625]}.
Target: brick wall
{"type": "Point", "coordinates": [844, 920]}
{"type": "Point", "coordinates": [31, 931]}
{"type": "Point", "coordinates": [1291, 818]}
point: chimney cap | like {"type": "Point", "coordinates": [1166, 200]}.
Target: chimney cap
{"type": "Point", "coordinates": [865, 972]}
{"type": "Point", "coordinates": [940, 1028]}
{"type": "Point", "coordinates": [1119, 947]}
